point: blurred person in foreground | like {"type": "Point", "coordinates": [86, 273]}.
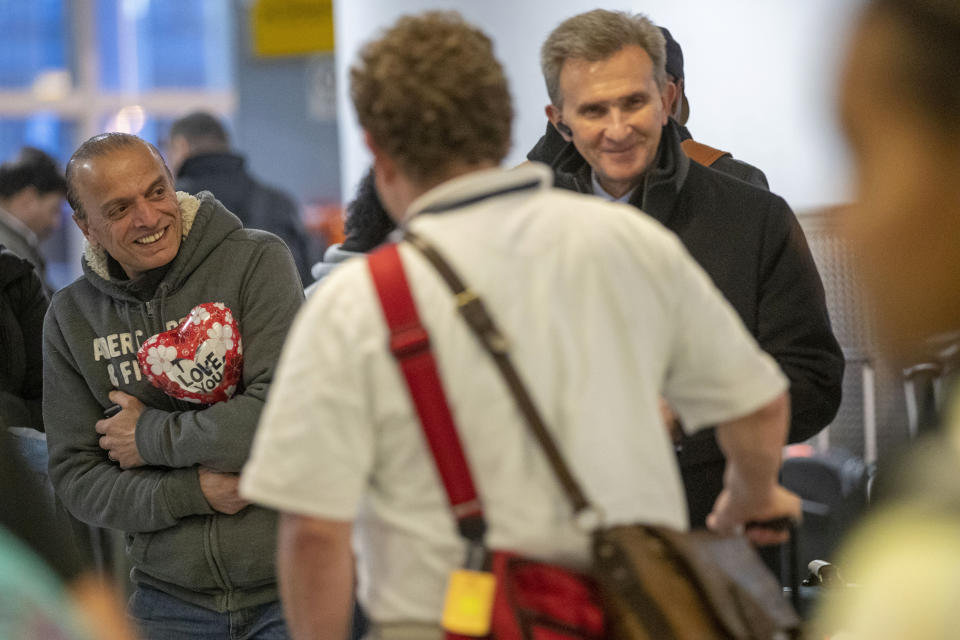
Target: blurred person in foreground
{"type": "Point", "coordinates": [198, 151]}
{"type": "Point", "coordinates": [45, 590]}
{"type": "Point", "coordinates": [164, 468]}
{"type": "Point", "coordinates": [32, 189]}
{"type": "Point", "coordinates": [900, 109]}
{"type": "Point", "coordinates": [340, 442]}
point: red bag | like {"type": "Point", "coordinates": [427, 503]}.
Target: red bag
{"type": "Point", "coordinates": [542, 601]}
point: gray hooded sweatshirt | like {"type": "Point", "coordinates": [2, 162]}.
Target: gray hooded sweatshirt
{"type": "Point", "coordinates": [92, 331]}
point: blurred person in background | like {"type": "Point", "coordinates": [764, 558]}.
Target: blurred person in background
{"type": "Point", "coordinates": [198, 152]}
{"type": "Point", "coordinates": [900, 109]}
{"type": "Point", "coordinates": [23, 304]}
{"type": "Point", "coordinates": [367, 226]}
{"type": "Point", "coordinates": [32, 189]}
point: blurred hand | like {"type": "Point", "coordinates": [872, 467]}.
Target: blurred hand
{"type": "Point", "coordinates": [221, 490]}
{"type": "Point", "coordinates": [118, 434]}
{"type": "Point", "coordinates": [670, 421]}
{"type": "Point", "coordinates": [735, 508]}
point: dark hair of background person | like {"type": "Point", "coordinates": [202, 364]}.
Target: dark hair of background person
{"type": "Point", "coordinates": [368, 224]}
{"type": "Point", "coordinates": [203, 131]}
{"type": "Point", "coordinates": [31, 168]}
{"type": "Point", "coordinates": [427, 119]}
{"type": "Point", "coordinates": [929, 56]}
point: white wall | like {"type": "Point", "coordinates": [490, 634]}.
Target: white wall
{"type": "Point", "coordinates": [759, 74]}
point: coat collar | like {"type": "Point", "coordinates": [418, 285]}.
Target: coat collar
{"type": "Point", "coordinates": [658, 193]}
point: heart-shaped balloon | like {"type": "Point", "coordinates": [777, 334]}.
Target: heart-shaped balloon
{"type": "Point", "coordinates": [201, 360]}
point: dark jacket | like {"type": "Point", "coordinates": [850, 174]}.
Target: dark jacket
{"type": "Point", "coordinates": [751, 245]}
{"type": "Point", "coordinates": [175, 541]}
{"type": "Point", "coordinates": [22, 305]}
{"type": "Point", "coordinates": [257, 205]}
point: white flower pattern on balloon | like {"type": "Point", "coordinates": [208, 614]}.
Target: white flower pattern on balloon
{"type": "Point", "coordinates": [161, 359]}
{"type": "Point", "coordinates": [222, 336]}
{"type": "Point", "coordinates": [200, 315]}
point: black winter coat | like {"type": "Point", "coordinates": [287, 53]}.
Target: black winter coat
{"type": "Point", "coordinates": [23, 304]}
{"type": "Point", "coordinates": [750, 243]}
{"type": "Point", "coordinates": [257, 205]}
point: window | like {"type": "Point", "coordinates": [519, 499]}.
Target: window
{"type": "Point", "coordinates": [70, 69]}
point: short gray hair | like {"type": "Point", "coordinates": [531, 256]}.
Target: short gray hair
{"type": "Point", "coordinates": [596, 35]}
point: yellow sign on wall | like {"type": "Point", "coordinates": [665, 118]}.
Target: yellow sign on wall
{"type": "Point", "coordinates": [291, 27]}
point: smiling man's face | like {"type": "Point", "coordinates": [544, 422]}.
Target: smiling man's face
{"type": "Point", "coordinates": [130, 208]}
{"type": "Point", "coordinates": [615, 112]}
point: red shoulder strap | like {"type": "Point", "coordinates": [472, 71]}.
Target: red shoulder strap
{"type": "Point", "coordinates": [410, 345]}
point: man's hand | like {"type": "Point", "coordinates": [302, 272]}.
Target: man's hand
{"type": "Point", "coordinates": [118, 434]}
{"type": "Point", "coordinates": [220, 490]}
{"type": "Point", "coordinates": [734, 509]}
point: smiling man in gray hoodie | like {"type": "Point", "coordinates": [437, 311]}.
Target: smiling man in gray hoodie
{"type": "Point", "coordinates": [163, 468]}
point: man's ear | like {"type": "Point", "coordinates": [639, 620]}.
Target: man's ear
{"type": "Point", "coordinates": [382, 161]}
{"type": "Point", "coordinates": [667, 94]}
{"type": "Point", "coordinates": [670, 94]}
{"type": "Point", "coordinates": [553, 114]}
{"type": "Point", "coordinates": [82, 225]}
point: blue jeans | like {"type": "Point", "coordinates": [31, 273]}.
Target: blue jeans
{"type": "Point", "coordinates": [161, 616]}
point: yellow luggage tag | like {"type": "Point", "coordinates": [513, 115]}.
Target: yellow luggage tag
{"type": "Point", "coordinates": [468, 607]}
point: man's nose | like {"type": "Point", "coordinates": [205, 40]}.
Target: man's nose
{"type": "Point", "coordinates": [618, 126]}
{"type": "Point", "coordinates": [144, 214]}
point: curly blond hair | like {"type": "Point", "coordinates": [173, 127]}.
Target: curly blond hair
{"type": "Point", "coordinates": [431, 94]}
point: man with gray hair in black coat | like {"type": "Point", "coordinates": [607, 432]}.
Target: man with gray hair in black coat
{"type": "Point", "coordinates": [606, 76]}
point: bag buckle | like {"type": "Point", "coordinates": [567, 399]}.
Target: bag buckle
{"type": "Point", "coordinates": [407, 342]}
{"type": "Point", "coordinates": [476, 558]}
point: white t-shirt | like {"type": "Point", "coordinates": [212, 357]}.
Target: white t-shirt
{"type": "Point", "coordinates": [604, 311]}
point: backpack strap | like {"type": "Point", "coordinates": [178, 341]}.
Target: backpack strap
{"type": "Point", "coordinates": [410, 345]}
{"type": "Point", "coordinates": [699, 152]}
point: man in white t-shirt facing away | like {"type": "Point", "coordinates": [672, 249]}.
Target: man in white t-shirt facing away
{"type": "Point", "coordinates": [603, 310]}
